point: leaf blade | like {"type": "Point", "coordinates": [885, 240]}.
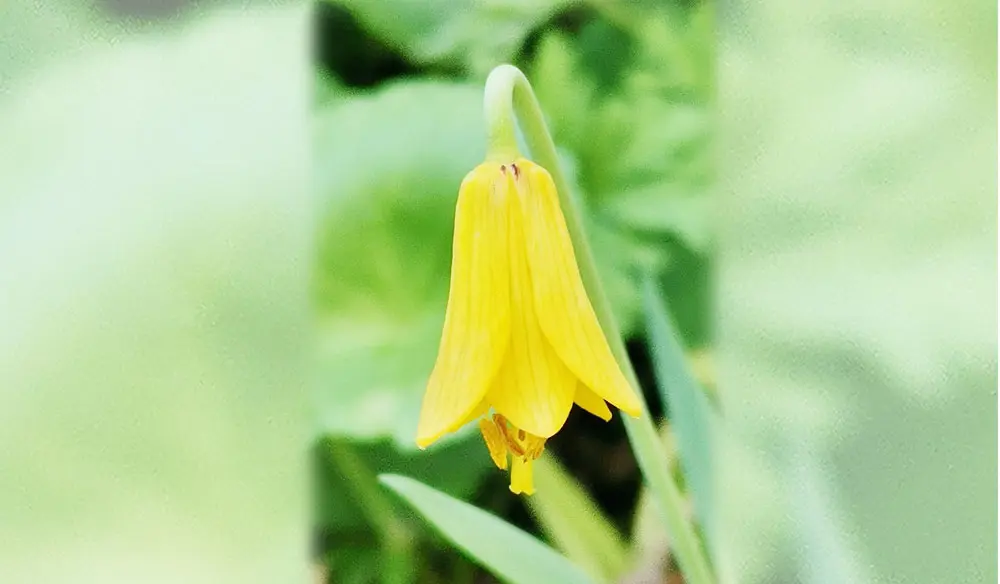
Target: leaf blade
{"type": "Point", "coordinates": [575, 523]}
{"type": "Point", "coordinates": [692, 416]}
{"type": "Point", "coordinates": [509, 553]}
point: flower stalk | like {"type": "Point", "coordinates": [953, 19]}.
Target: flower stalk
{"type": "Point", "coordinates": [510, 102]}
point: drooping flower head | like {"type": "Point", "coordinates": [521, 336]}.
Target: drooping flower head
{"type": "Point", "coordinates": [520, 335]}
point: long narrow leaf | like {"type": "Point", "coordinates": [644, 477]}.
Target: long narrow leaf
{"type": "Point", "coordinates": [509, 553]}
{"type": "Point", "coordinates": [691, 414]}
{"type": "Point", "coordinates": [575, 523]}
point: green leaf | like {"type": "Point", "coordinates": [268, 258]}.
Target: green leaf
{"type": "Point", "coordinates": [398, 564]}
{"type": "Point", "coordinates": [353, 565]}
{"type": "Point", "coordinates": [607, 51]}
{"type": "Point", "coordinates": [350, 509]}
{"type": "Point", "coordinates": [575, 523]}
{"type": "Point", "coordinates": [666, 207]}
{"type": "Point", "coordinates": [475, 34]}
{"type": "Point", "coordinates": [564, 89]}
{"type": "Point", "coordinates": [509, 553]}
{"type": "Point", "coordinates": [389, 166]}
{"type": "Point", "coordinates": [644, 143]}
{"type": "Point", "coordinates": [691, 414]}
{"type": "Point", "coordinates": [371, 375]}
{"type": "Point", "coordinates": [454, 469]}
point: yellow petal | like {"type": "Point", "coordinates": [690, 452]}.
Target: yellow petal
{"type": "Point", "coordinates": [591, 402]}
{"type": "Point", "coordinates": [565, 313]}
{"type": "Point", "coordinates": [521, 477]}
{"type": "Point", "coordinates": [477, 412]}
{"type": "Point", "coordinates": [477, 321]}
{"type": "Point", "coordinates": [495, 442]}
{"type": "Point", "coordinates": [533, 388]}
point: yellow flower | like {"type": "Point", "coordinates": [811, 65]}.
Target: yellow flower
{"type": "Point", "coordinates": [520, 335]}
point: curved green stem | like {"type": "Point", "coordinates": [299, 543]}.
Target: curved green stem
{"type": "Point", "coordinates": [501, 140]}
{"type": "Point", "coordinates": [508, 92]}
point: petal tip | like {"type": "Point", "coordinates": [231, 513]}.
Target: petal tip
{"type": "Point", "coordinates": [604, 414]}
{"type": "Point", "coordinates": [424, 440]}
{"type": "Point", "coordinates": [525, 492]}
{"type": "Point", "coordinates": [635, 412]}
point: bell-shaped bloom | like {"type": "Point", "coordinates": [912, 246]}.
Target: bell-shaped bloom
{"type": "Point", "coordinates": [520, 335]}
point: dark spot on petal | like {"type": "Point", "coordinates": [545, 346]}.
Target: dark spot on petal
{"type": "Point", "coordinates": [517, 172]}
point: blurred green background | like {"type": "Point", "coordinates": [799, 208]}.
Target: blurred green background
{"type": "Point", "coordinates": [224, 241]}
{"type": "Point", "coordinates": [154, 315]}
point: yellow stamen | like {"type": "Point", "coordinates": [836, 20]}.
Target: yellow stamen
{"type": "Point", "coordinates": [503, 438]}
{"type": "Point", "coordinates": [495, 442]}
{"type": "Point", "coordinates": [519, 442]}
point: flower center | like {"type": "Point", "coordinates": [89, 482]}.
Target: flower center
{"type": "Point", "coordinates": [519, 442]}
{"type": "Point", "coordinates": [503, 438]}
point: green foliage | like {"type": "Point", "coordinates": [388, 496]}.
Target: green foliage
{"type": "Point", "coordinates": [474, 34]}
{"type": "Point", "coordinates": [150, 172]}
{"type": "Point", "coordinates": [454, 469]}
{"type": "Point", "coordinates": [639, 138]}
{"type": "Point", "coordinates": [574, 522]}
{"type": "Point", "coordinates": [692, 417]}
{"type": "Point", "coordinates": [387, 196]}
{"type": "Point", "coordinates": [509, 553]}
{"type": "Point", "coordinates": [386, 204]}
{"type": "Point", "coordinates": [389, 161]}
